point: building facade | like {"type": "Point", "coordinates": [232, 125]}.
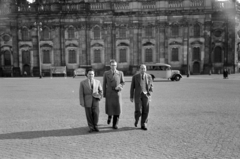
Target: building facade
{"type": "Point", "coordinates": [202, 35]}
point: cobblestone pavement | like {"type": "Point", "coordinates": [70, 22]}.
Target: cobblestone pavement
{"type": "Point", "coordinates": [195, 118]}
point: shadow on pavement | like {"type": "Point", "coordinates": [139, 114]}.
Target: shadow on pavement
{"type": "Point", "coordinates": [59, 133]}
{"type": "Point", "coordinates": [156, 80]}
{"type": "Point", "coordinates": [163, 81]}
{"type": "Point", "coordinates": [109, 129]}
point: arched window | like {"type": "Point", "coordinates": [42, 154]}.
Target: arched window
{"type": "Point", "coordinates": [196, 53]}
{"type": "Point", "coordinates": [122, 55]}
{"type": "Point", "coordinates": [25, 34]}
{"type": "Point", "coordinates": [175, 30]}
{"type": "Point", "coordinates": [175, 54]}
{"type": "Point", "coordinates": [97, 56]}
{"type": "Point", "coordinates": [148, 55]}
{"type": "Point", "coordinates": [196, 30]}
{"type": "Point", "coordinates": [72, 56]}
{"type": "Point", "coordinates": [71, 33]}
{"type": "Point", "coordinates": [7, 58]}
{"type": "Point", "coordinates": [6, 38]}
{"type": "Point", "coordinates": [149, 31]}
{"type": "Point", "coordinates": [46, 56]}
{"type": "Point", "coordinates": [218, 54]}
{"type": "Point", "coordinates": [46, 33]}
{"type": "Point", "coordinates": [96, 32]}
{"type": "Point", "coordinates": [122, 33]}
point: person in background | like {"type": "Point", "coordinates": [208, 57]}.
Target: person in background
{"type": "Point", "coordinates": [90, 93]}
{"type": "Point", "coordinates": [225, 73]}
{"type": "Point", "coordinates": [140, 92]}
{"type": "Point", "coordinates": [113, 81]}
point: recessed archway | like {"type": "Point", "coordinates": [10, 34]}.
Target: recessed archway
{"type": "Point", "coordinates": [196, 68]}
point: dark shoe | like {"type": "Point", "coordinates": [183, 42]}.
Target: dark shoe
{"type": "Point", "coordinates": [91, 130]}
{"type": "Point", "coordinates": [96, 129]}
{"type": "Point", "coordinates": [115, 127]}
{"type": "Point", "coordinates": [144, 128]}
{"type": "Point", "coordinates": [108, 121]}
{"type": "Point", "coordinates": [135, 124]}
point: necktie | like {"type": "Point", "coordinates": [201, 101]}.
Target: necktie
{"type": "Point", "coordinates": [91, 84]}
{"type": "Point", "coordinates": [142, 76]}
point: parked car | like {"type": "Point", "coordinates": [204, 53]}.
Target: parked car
{"type": "Point", "coordinates": [162, 70]}
{"type": "Point", "coordinates": [79, 72]}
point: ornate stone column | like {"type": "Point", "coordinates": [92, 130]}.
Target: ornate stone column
{"type": "Point", "coordinates": [208, 48]}
{"type": "Point", "coordinates": [162, 38]}
{"type": "Point", "coordinates": [107, 26]}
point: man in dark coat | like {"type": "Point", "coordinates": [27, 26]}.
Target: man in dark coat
{"type": "Point", "coordinates": [141, 88]}
{"type": "Point", "coordinates": [113, 81]}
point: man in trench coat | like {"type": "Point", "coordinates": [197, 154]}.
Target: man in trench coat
{"type": "Point", "coordinates": [90, 93]}
{"type": "Point", "coordinates": [113, 81]}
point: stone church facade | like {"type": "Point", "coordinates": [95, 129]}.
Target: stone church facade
{"type": "Point", "coordinates": [200, 34]}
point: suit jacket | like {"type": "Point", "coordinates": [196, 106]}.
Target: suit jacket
{"type": "Point", "coordinates": [136, 90]}
{"type": "Point", "coordinates": [113, 97]}
{"type": "Point", "coordinates": [85, 92]}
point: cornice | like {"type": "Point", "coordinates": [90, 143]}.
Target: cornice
{"type": "Point", "coordinates": [97, 45]}
{"type": "Point", "coordinates": [175, 43]}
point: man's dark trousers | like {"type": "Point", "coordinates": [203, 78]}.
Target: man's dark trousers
{"type": "Point", "coordinates": [92, 114]}
{"type": "Point", "coordinates": [142, 109]}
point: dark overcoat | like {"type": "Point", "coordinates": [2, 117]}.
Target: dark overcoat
{"type": "Point", "coordinates": [113, 104]}
{"type": "Point", "coordinates": [136, 90]}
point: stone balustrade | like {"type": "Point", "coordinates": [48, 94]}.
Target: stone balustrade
{"type": "Point", "coordinates": [54, 6]}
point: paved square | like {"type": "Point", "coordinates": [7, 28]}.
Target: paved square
{"type": "Point", "coordinates": [196, 118]}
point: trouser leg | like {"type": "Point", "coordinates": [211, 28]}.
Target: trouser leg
{"type": "Point", "coordinates": [115, 120]}
{"type": "Point", "coordinates": [88, 111]}
{"type": "Point", "coordinates": [95, 112]}
{"type": "Point", "coordinates": [145, 110]}
{"type": "Point", "coordinates": [109, 119]}
{"type": "Point", "coordinates": [138, 111]}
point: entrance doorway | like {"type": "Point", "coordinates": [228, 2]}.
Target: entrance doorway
{"type": "Point", "coordinates": [26, 57]}
{"type": "Point", "coordinates": [26, 70]}
{"type": "Point", "coordinates": [196, 68]}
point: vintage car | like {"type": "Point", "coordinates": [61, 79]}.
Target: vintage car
{"type": "Point", "coordinates": [79, 72]}
{"type": "Point", "coordinates": [162, 70]}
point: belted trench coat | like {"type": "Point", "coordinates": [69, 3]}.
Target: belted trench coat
{"type": "Point", "coordinates": [113, 104]}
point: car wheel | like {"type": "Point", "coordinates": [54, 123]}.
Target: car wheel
{"type": "Point", "coordinates": [177, 78]}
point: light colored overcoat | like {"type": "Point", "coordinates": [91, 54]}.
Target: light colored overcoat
{"type": "Point", "coordinates": [85, 92]}
{"type": "Point", "coordinates": [113, 105]}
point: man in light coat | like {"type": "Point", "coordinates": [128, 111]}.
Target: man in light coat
{"type": "Point", "coordinates": [140, 91]}
{"type": "Point", "coordinates": [90, 93]}
{"type": "Point", "coordinates": [113, 81]}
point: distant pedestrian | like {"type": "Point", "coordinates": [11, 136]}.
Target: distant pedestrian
{"type": "Point", "coordinates": [90, 93]}
{"type": "Point", "coordinates": [140, 92]}
{"type": "Point", "coordinates": [113, 81]}
{"type": "Point", "coordinates": [25, 73]}
{"type": "Point", "coordinates": [225, 73]}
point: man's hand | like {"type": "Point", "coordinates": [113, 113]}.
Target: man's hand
{"type": "Point", "coordinates": [131, 99]}
{"type": "Point", "coordinates": [119, 88]}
